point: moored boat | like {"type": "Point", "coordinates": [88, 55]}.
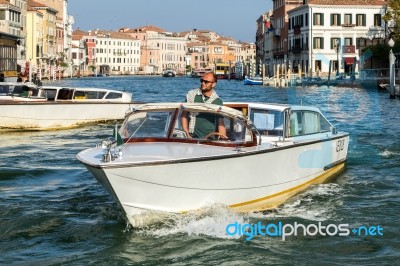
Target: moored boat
{"type": "Point", "coordinates": [51, 107]}
{"type": "Point", "coordinates": [269, 153]}
{"type": "Point", "coordinates": [199, 72]}
{"type": "Point", "coordinates": [169, 73]}
{"type": "Point", "coordinates": [17, 91]}
{"type": "Point", "coordinates": [257, 80]}
{"type": "Point", "coordinates": [222, 70]}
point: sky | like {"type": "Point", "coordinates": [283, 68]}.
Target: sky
{"type": "Point", "coordinates": [229, 18]}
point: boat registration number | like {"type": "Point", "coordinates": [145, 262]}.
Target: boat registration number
{"type": "Point", "coordinates": [340, 145]}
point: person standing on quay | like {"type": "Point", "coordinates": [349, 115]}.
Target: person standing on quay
{"type": "Point", "coordinates": [203, 124]}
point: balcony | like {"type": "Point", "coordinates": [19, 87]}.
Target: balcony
{"type": "Point", "coordinates": [296, 49]}
{"type": "Point", "coordinates": [349, 49]}
{"type": "Point", "coordinates": [297, 30]}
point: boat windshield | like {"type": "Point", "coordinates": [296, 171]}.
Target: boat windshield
{"type": "Point", "coordinates": [149, 124]}
{"type": "Point", "coordinates": [168, 124]}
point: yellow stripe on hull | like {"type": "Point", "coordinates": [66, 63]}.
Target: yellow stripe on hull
{"type": "Point", "coordinates": [274, 200]}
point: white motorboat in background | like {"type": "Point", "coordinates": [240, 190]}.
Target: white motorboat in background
{"type": "Point", "coordinates": [50, 107]}
{"type": "Point", "coordinates": [199, 72]}
{"type": "Point", "coordinates": [270, 153]}
{"type": "Point", "coordinates": [169, 73]}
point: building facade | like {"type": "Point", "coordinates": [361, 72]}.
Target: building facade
{"type": "Point", "coordinates": [101, 52]}
{"type": "Point", "coordinates": [197, 55]}
{"type": "Point", "coordinates": [279, 25]}
{"type": "Point", "coordinates": [207, 49]}
{"type": "Point", "coordinates": [12, 38]}
{"type": "Point", "coordinates": [160, 49]}
{"type": "Point", "coordinates": [317, 36]}
{"type": "Point", "coordinates": [42, 39]}
{"type": "Point", "coordinates": [64, 28]}
{"type": "Point", "coordinates": [323, 35]}
{"type": "Point", "coordinates": [265, 46]}
{"type": "Point", "coordinates": [34, 36]}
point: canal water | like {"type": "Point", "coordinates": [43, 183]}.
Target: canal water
{"type": "Point", "coordinates": [53, 212]}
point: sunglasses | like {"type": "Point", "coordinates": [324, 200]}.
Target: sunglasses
{"type": "Point", "coordinates": [205, 81]}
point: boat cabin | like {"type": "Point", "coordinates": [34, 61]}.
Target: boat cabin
{"type": "Point", "coordinates": [88, 94]}
{"type": "Point", "coordinates": [199, 72]}
{"type": "Point", "coordinates": [19, 89]}
{"type": "Point", "coordinates": [246, 124]}
{"type": "Point", "coordinates": [284, 121]}
{"type": "Point", "coordinates": [169, 73]}
{"type": "Point", "coordinates": [163, 122]}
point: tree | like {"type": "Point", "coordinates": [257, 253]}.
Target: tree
{"type": "Point", "coordinates": [188, 68]}
{"type": "Point", "coordinates": [92, 67]}
{"type": "Point", "coordinates": [392, 18]}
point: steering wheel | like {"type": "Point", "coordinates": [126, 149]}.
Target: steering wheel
{"type": "Point", "coordinates": [217, 134]}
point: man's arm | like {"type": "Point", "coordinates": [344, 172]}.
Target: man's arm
{"type": "Point", "coordinates": [221, 126]}
{"type": "Point", "coordinates": [185, 123]}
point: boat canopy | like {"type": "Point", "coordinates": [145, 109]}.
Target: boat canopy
{"type": "Point", "coordinates": [191, 107]}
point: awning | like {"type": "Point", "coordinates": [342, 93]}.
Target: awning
{"type": "Point", "coordinates": [349, 60]}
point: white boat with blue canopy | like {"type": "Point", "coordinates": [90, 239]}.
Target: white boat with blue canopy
{"type": "Point", "coordinates": [269, 153]}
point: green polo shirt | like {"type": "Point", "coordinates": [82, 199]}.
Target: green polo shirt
{"type": "Point", "coordinates": [205, 122]}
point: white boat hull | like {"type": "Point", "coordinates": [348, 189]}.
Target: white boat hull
{"type": "Point", "coordinates": [58, 115]}
{"type": "Point", "coordinates": [188, 177]}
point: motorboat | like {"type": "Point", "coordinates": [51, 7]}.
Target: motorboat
{"type": "Point", "coordinates": [169, 73]}
{"type": "Point", "coordinates": [256, 80]}
{"type": "Point", "coordinates": [199, 72]}
{"type": "Point", "coordinates": [51, 107]}
{"type": "Point", "coordinates": [269, 153]}
{"type": "Point", "coordinates": [269, 81]}
{"type": "Point", "coordinates": [18, 91]}
{"type": "Point", "coordinates": [313, 81]}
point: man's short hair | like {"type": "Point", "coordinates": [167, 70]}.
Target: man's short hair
{"type": "Point", "coordinates": [213, 74]}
